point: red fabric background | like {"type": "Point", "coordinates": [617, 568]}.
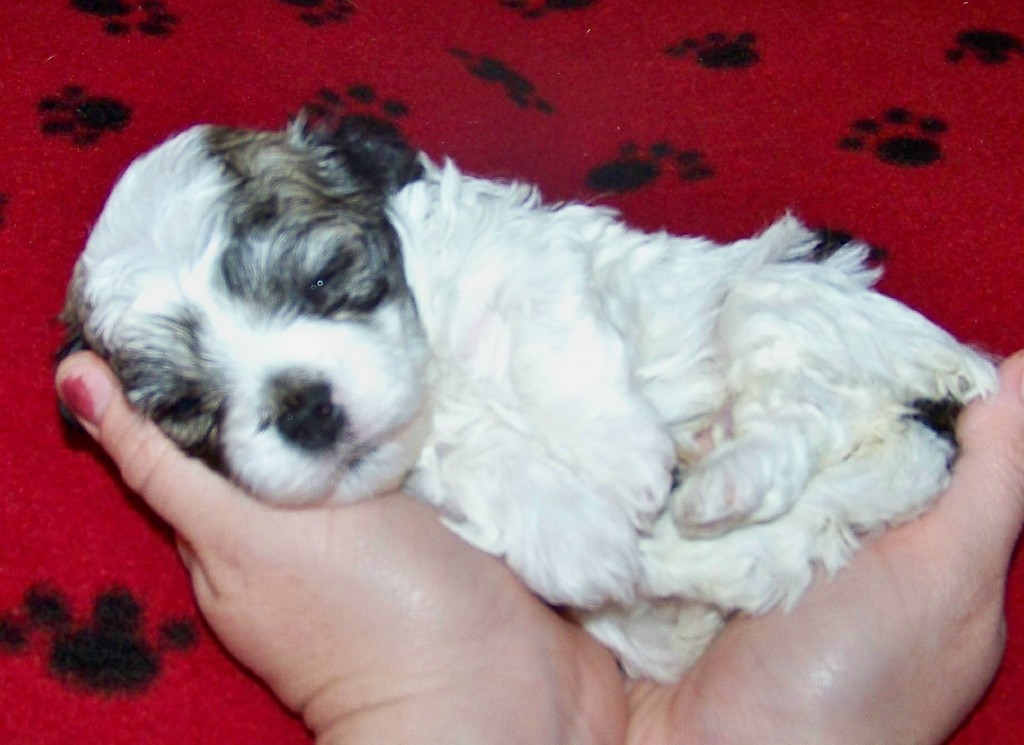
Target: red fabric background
{"type": "Point", "coordinates": [549, 92]}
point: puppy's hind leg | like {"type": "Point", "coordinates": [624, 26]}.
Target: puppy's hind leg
{"type": "Point", "coordinates": [813, 363]}
{"type": "Point", "coordinates": [790, 401]}
{"type": "Point", "coordinates": [887, 482]}
{"type": "Point", "coordinates": [760, 566]}
{"type": "Point", "coordinates": [779, 435]}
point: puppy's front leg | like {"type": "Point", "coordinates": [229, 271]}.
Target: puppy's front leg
{"type": "Point", "coordinates": [509, 495]}
{"type": "Point", "coordinates": [544, 451]}
{"type": "Point", "coordinates": [557, 465]}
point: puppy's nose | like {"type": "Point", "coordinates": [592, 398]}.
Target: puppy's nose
{"type": "Point", "coordinates": [307, 417]}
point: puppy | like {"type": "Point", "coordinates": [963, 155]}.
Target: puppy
{"type": "Point", "coordinates": [654, 431]}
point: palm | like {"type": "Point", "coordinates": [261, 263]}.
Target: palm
{"type": "Point", "coordinates": [896, 648]}
{"type": "Point", "coordinates": [341, 609]}
{"type": "Point", "coordinates": [400, 592]}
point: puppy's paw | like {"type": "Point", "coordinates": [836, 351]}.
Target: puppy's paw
{"type": "Point", "coordinates": [658, 639]}
{"type": "Point", "coordinates": [713, 499]}
{"type": "Point", "coordinates": [579, 565]}
{"type": "Point", "coordinates": [742, 481]}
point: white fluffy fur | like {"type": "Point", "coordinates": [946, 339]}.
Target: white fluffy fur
{"type": "Point", "coordinates": [561, 366]}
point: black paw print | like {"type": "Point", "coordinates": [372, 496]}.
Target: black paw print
{"type": "Point", "coordinates": [900, 138]}
{"type": "Point", "coordinates": [359, 101]}
{"type": "Point", "coordinates": [81, 118]}
{"type": "Point", "coordinates": [831, 240]}
{"type": "Point", "coordinates": [636, 167]}
{"type": "Point", "coordinates": [986, 46]}
{"type": "Point", "coordinates": [151, 18]}
{"type": "Point", "coordinates": [718, 51]}
{"type": "Point", "coordinates": [3, 209]}
{"type": "Point", "coordinates": [537, 8]}
{"type": "Point", "coordinates": [321, 12]}
{"type": "Point", "coordinates": [520, 91]}
{"type": "Point", "coordinates": [106, 654]}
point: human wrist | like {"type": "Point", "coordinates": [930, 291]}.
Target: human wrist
{"type": "Point", "coordinates": [531, 690]}
{"type": "Point", "coordinates": [449, 716]}
{"type": "Point", "coordinates": [482, 706]}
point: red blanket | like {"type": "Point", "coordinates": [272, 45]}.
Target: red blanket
{"type": "Point", "coordinates": [897, 122]}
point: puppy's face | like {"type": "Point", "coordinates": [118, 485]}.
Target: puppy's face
{"type": "Point", "coordinates": [247, 289]}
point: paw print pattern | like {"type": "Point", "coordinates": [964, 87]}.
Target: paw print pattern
{"type": "Point", "coordinates": [3, 209]}
{"type": "Point", "coordinates": [538, 8]}
{"type": "Point", "coordinates": [81, 118]}
{"type": "Point", "coordinates": [899, 138]}
{"type": "Point", "coordinates": [322, 12]}
{"type": "Point", "coordinates": [519, 90]}
{"type": "Point", "coordinates": [718, 51]}
{"type": "Point", "coordinates": [151, 18]}
{"type": "Point", "coordinates": [986, 46]}
{"type": "Point", "coordinates": [108, 653]}
{"type": "Point", "coordinates": [332, 109]}
{"type": "Point", "coordinates": [636, 167]}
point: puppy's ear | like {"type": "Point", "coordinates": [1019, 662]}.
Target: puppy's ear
{"type": "Point", "coordinates": [372, 149]}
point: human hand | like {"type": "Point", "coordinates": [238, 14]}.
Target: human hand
{"type": "Point", "coordinates": [371, 616]}
{"type": "Point", "coordinates": [898, 647]}
{"type": "Point", "coordinates": [372, 621]}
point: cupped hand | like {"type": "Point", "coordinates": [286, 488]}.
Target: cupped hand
{"type": "Point", "coordinates": [899, 646]}
{"type": "Point", "coordinates": [372, 621]}
{"type": "Point", "coordinates": [376, 624]}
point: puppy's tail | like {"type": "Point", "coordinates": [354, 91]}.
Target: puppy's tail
{"type": "Point", "coordinates": [790, 240]}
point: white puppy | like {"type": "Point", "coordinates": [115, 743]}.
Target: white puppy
{"type": "Point", "coordinates": [655, 431]}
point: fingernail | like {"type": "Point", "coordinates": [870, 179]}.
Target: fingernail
{"type": "Point", "coordinates": [87, 395]}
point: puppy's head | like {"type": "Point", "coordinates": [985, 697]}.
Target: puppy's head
{"type": "Point", "coordinates": [248, 290]}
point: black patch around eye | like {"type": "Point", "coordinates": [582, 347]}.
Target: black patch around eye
{"type": "Point", "coordinates": [322, 296]}
{"type": "Point", "coordinates": [193, 422]}
{"type": "Point", "coordinates": [374, 295]}
{"type": "Point", "coordinates": [261, 214]}
{"type": "Point", "coordinates": [345, 284]}
{"type": "Point", "coordinates": [181, 409]}
{"type": "Point", "coordinates": [329, 295]}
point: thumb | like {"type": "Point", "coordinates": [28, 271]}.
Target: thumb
{"type": "Point", "coordinates": [987, 488]}
{"type": "Point", "coordinates": [180, 489]}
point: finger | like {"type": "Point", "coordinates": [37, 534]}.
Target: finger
{"type": "Point", "coordinates": [987, 488]}
{"type": "Point", "coordinates": [180, 489]}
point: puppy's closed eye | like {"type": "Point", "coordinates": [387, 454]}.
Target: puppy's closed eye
{"type": "Point", "coordinates": [341, 287]}
{"type": "Point", "coordinates": [373, 294]}
{"type": "Point", "coordinates": [363, 299]}
{"type": "Point", "coordinates": [191, 420]}
{"type": "Point", "coordinates": [188, 406]}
